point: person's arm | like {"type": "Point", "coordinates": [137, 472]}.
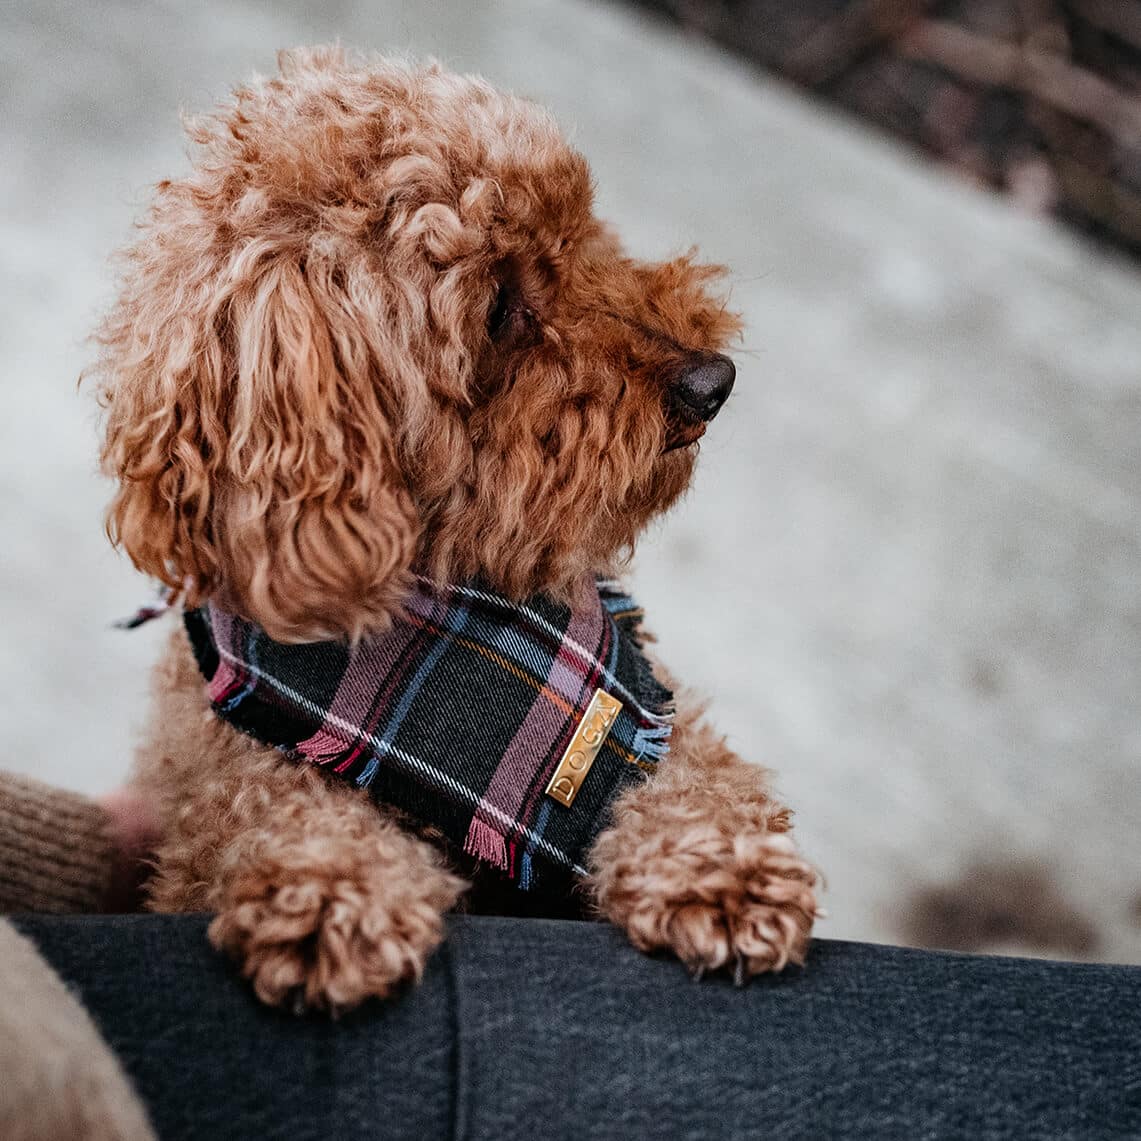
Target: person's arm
{"type": "Point", "coordinates": [61, 851]}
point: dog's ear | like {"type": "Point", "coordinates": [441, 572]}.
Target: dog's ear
{"type": "Point", "coordinates": [248, 430]}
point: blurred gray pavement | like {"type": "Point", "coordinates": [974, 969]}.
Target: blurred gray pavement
{"type": "Point", "coordinates": [908, 575]}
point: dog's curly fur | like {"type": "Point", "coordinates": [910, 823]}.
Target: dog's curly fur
{"type": "Point", "coordinates": [379, 326]}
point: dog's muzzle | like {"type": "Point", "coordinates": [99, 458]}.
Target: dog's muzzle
{"type": "Point", "coordinates": [703, 386]}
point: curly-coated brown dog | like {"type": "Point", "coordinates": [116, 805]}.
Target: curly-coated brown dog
{"type": "Point", "coordinates": [378, 328]}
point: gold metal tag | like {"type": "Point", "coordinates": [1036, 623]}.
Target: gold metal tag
{"type": "Point", "coordinates": [592, 731]}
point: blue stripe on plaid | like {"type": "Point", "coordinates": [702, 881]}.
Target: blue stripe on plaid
{"type": "Point", "coordinates": [455, 624]}
{"type": "Point", "coordinates": [520, 642]}
{"type": "Point", "coordinates": [541, 623]}
{"type": "Point", "coordinates": [367, 773]}
{"type": "Point", "coordinates": [234, 700]}
{"type": "Point", "coordinates": [526, 864]}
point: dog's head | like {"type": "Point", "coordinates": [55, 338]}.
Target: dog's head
{"type": "Point", "coordinates": [378, 327]}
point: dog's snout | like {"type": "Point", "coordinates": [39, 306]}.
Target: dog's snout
{"type": "Point", "coordinates": [704, 385]}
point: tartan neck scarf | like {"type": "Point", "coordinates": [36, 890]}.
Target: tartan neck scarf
{"type": "Point", "coordinates": [464, 714]}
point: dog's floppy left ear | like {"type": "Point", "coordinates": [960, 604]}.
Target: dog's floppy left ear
{"type": "Point", "coordinates": [248, 431]}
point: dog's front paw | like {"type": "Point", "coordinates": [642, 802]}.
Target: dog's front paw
{"type": "Point", "coordinates": [714, 899]}
{"type": "Point", "coordinates": [326, 929]}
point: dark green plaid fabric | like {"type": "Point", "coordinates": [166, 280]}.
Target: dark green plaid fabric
{"type": "Point", "coordinates": [458, 714]}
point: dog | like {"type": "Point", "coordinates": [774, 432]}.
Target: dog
{"type": "Point", "coordinates": [378, 339]}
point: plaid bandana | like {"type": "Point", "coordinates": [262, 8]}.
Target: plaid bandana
{"type": "Point", "coordinates": [460, 713]}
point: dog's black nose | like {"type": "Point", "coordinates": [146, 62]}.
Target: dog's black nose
{"type": "Point", "coordinates": [704, 385]}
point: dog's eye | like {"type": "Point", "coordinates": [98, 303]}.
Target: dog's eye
{"type": "Point", "coordinates": [499, 316]}
{"type": "Point", "coordinates": [508, 317]}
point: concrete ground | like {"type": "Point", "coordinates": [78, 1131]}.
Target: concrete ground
{"type": "Point", "coordinates": [908, 575]}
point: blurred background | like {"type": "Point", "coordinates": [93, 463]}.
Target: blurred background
{"type": "Point", "coordinates": [908, 575]}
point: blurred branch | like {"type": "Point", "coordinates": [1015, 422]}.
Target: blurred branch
{"type": "Point", "coordinates": [1041, 98]}
{"type": "Point", "coordinates": [1102, 198]}
{"type": "Point", "coordinates": [833, 47]}
{"type": "Point", "coordinates": [1112, 16]}
{"type": "Point", "coordinates": [1043, 26]}
{"type": "Point", "coordinates": [1050, 78]}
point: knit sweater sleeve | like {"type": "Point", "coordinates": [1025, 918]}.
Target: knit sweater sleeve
{"type": "Point", "coordinates": [55, 850]}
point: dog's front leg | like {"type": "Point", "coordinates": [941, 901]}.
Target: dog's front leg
{"type": "Point", "coordinates": [321, 899]}
{"type": "Point", "coordinates": [699, 861]}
